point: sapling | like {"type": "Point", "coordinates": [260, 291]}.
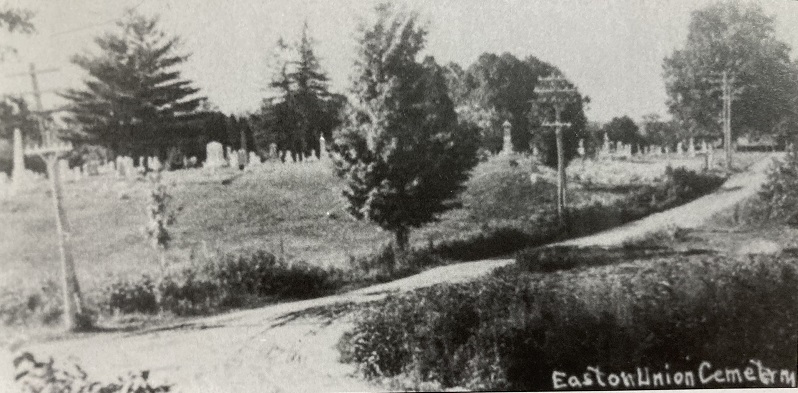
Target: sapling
{"type": "Point", "coordinates": [159, 217]}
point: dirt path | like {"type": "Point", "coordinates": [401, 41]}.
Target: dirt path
{"type": "Point", "coordinates": [258, 351]}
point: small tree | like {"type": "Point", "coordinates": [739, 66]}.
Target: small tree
{"type": "Point", "coordinates": [402, 153]}
{"type": "Point", "coordinates": [159, 217]}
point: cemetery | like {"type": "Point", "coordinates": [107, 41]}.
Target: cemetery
{"type": "Point", "coordinates": [435, 227]}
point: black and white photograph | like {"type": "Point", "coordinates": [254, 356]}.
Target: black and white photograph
{"type": "Point", "coordinates": [234, 196]}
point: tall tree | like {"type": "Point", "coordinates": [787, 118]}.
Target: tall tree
{"type": "Point", "coordinates": [401, 151]}
{"type": "Point", "coordinates": [502, 87]}
{"type": "Point", "coordinates": [134, 94]}
{"type": "Point", "coordinates": [738, 38]}
{"type": "Point", "coordinates": [303, 109]}
{"type": "Point", "coordinates": [623, 129]}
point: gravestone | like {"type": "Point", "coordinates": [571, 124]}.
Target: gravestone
{"type": "Point", "coordinates": [507, 141]}
{"type": "Point", "coordinates": [63, 169]}
{"type": "Point", "coordinates": [273, 150]}
{"type": "Point", "coordinates": [214, 155]}
{"type": "Point", "coordinates": [322, 148]}
{"type": "Point", "coordinates": [192, 161]}
{"type": "Point", "coordinates": [18, 170]}
{"type": "Point", "coordinates": [254, 159]}
{"type": "Point", "coordinates": [155, 164]}
{"type": "Point", "coordinates": [581, 148]}
{"type": "Point", "coordinates": [233, 157]}
{"type": "Point", "coordinates": [691, 147]}
{"type": "Point", "coordinates": [679, 148]}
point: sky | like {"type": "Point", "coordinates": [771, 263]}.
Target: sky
{"type": "Point", "coordinates": [611, 49]}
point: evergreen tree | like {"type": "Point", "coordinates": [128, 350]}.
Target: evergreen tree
{"type": "Point", "coordinates": [133, 94]}
{"type": "Point", "coordinates": [401, 151]}
{"type": "Point", "coordinates": [303, 109]}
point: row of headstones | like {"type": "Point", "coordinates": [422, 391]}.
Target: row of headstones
{"type": "Point", "coordinates": [216, 157]}
{"type": "Point", "coordinates": [617, 149]}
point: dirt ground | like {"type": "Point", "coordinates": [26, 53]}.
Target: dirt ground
{"type": "Point", "coordinates": [266, 350]}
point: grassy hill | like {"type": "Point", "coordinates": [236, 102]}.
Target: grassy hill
{"type": "Point", "coordinates": [290, 209]}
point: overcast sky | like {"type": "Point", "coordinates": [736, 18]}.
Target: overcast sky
{"type": "Point", "coordinates": [612, 49]}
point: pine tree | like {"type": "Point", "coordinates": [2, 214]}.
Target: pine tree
{"type": "Point", "coordinates": [303, 109]}
{"type": "Point", "coordinates": [134, 93]}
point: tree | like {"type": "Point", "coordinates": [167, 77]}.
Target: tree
{"type": "Point", "coordinates": [623, 129]}
{"type": "Point", "coordinates": [14, 20]}
{"type": "Point", "coordinates": [501, 87]}
{"type": "Point", "coordinates": [134, 94]}
{"type": "Point", "coordinates": [401, 152]}
{"type": "Point", "coordinates": [739, 39]}
{"type": "Point", "coordinates": [303, 109]}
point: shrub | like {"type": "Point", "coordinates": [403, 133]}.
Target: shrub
{"type": "Point", "coordinates": [231, 281]}
{"type": "Point", "coordinates": [34, 376]}
{"type": "Point", "coordinates": [131, 296]}
{"type": "Point", "coordinates": [780, 191]}
{"type": "Point", "coordinates": [511, 330]}
{"type": "Point", "coordinates": [23, 306]}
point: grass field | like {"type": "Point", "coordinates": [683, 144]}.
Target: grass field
{"type": "Point", "coordinates": [291, 209]}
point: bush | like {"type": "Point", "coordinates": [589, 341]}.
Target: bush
{"type": "Point", "coordinates": [23, 306]}
{"type": "Point", "coordinates": [780, 192]}
{"type": "Point", "coordinates": [232, 281]}
{"type": "Point", "coordinates": [131, 296]}
{"type": "Point", "coordinates": [34, 376]}
{"type": "Point", "coordinates": [511, 330]}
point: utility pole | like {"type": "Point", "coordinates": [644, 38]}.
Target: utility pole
{"type": "Point", "coordinates": [558, 93]}
{"type": "Point", "coordinates": [37, 96]}
{"type": "Point", "coordinates": [73, 301]}
{"type": "Point", "coordinates": [728, 94]}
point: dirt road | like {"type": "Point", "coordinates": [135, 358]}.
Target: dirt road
{"type": "Point", "coordinates": [258, 351]}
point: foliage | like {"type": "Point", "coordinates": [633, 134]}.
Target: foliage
{"type": "Point", "coordinates": [46, 377]}
{"type": "Point", "coordinates": [739, 38]}
{"type": "Point", "coordinates": [134, 97]}
{"type": "Point", "coordinates": [23, 306]}
{"type": "Point", "coordinates": [659, 132]}
{"type": "Point", "coordinates": [780, 191]}
{"type": "Point", "coordinates": [14, 20]}
{"type": "Point", "coordinates": [232, 281]}
{"type": "Point", "coordinates": [303, 109]}
{"type": "Point", "coordinates": [401, 152]}
{"type": "Point", "coordinates": [501, 87]}
{"type": "Point", "coordinates": [511, 330]}
{"type": "Point", "coordinates": [158, 214]}
{"type": "Point", "coordinates": [623, 130]}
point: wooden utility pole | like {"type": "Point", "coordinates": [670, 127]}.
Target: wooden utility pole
{"type": "Point", "coordinates": [73, 301]}
{"type": "Point", "coordinates": [558, 93]}
{"type": "Point", "coordinates": [33, 73]}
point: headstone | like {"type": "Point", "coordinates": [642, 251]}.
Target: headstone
{"type": "Point", "coordinates": [120, 167]}
{"type": "Point", "coordinates": [691, 147]}
{"type": "Point", "coordinates": [233, 157]}
{"type": "Point", "coordinates": [322, 147]}
{"type": "Point", "coordinates": [535, 151]}
{"type": "Point", "coordinates": [581, 148]}
{"type": "Point", "coordinates": [92, 168]}
{"type": "Point", "coordinates": [273, 149]}
{"type": "Point", "coordinates": [704, 146]}
{"type": "Point", "coordinates": [680, 148]}
{"type": "Point", "coordinates": [142, 164]}
{"type": "Point", "coordinates": [63, 169]}
{"type": "Point", "coordinates": [254, 159]}
{"type": "Point", "coordinates": [507, 145]}
{"type": "Point", "coordinates": [18, 171]}
{"type": "Point", "coordinates": [214, 155]}
{"type": "Point", "coordinates": [155, 164]}
{"type": "Point", "coordinates": [192, 161]}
